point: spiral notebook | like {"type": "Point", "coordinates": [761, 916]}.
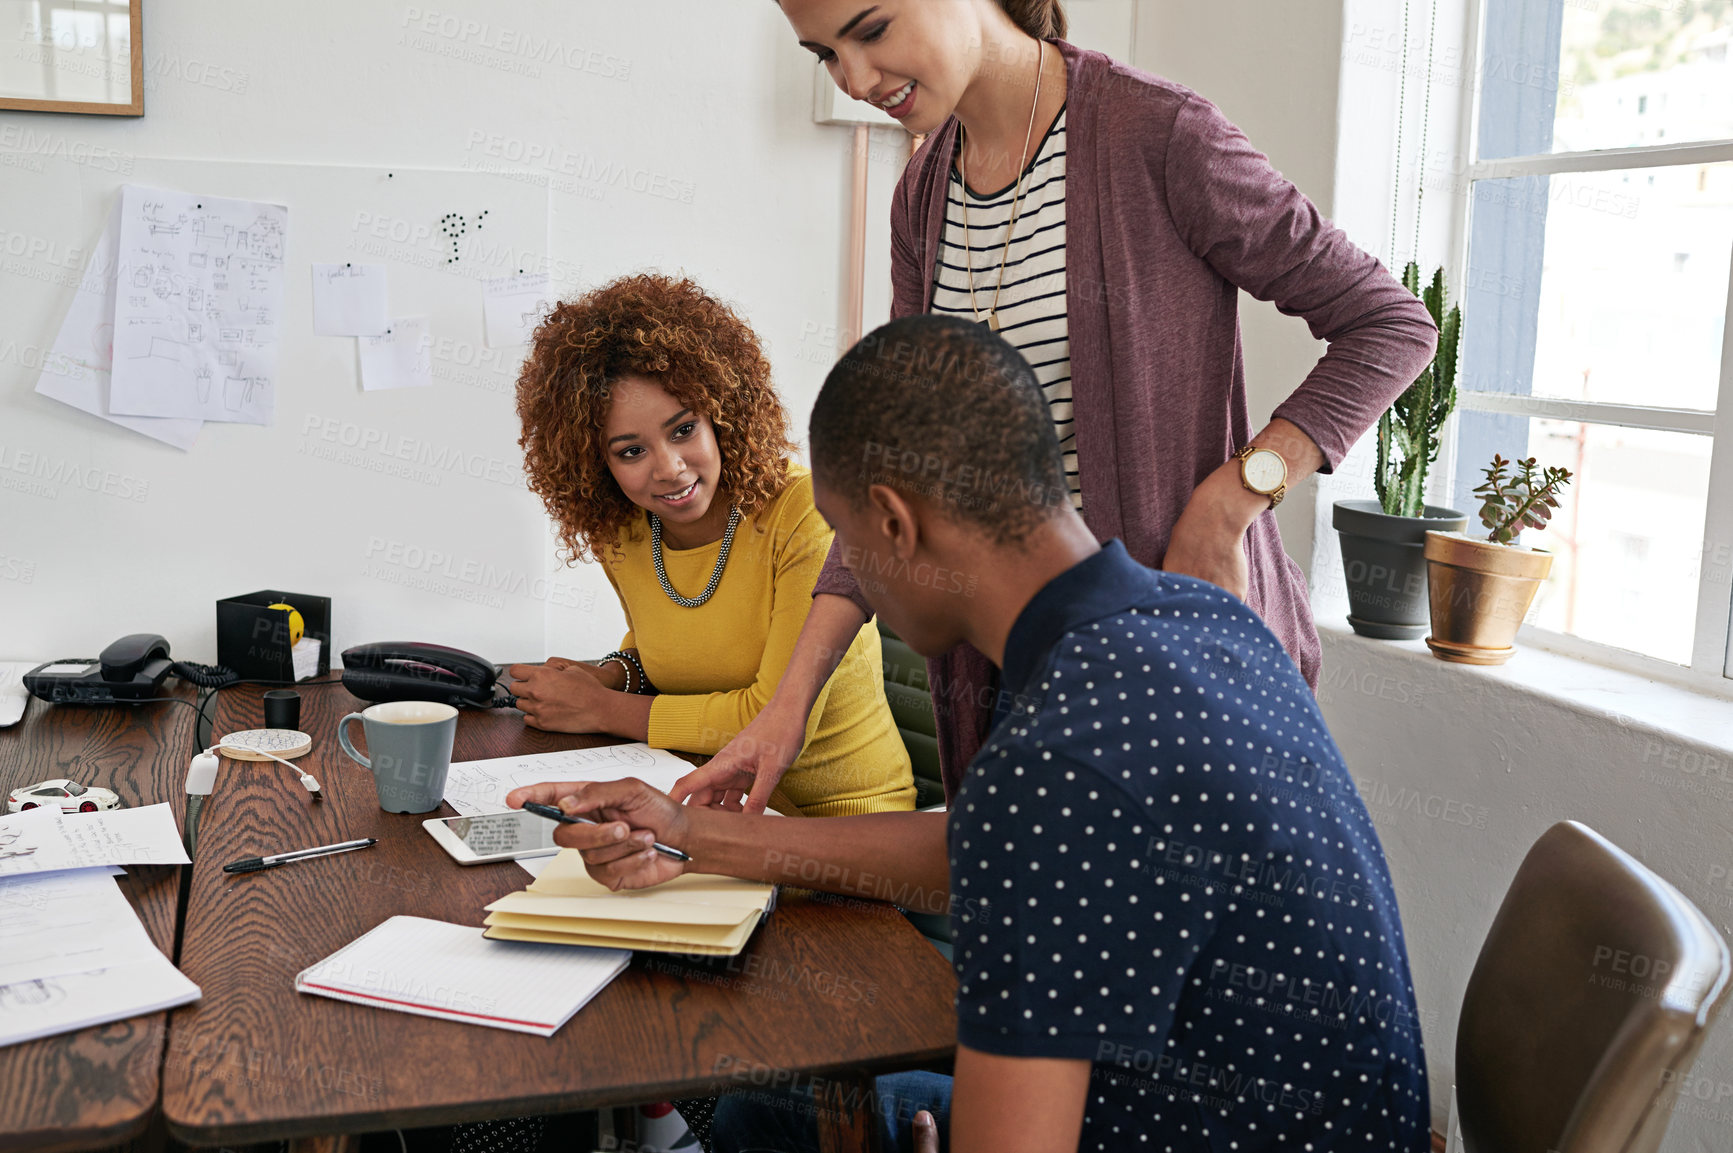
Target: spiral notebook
{"type": "Point", "coordinates": [437, 969]}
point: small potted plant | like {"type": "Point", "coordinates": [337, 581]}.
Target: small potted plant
{"type": "Point", "coordinates": [1383, 541]}
{"type": "Point", "coordinates": [1481, 589]}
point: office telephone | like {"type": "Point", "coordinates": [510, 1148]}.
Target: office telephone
{"type": "Point", "coordinates": [133, 668]}
{"type": "Point", "coordinates": [411, 671]}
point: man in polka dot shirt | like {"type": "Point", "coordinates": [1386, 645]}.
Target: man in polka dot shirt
{"type": "Point", "coordinates": [1173, 925]}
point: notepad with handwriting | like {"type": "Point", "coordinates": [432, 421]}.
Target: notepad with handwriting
{"type": "Point", "coordinates": [698, 913]}
{"type": "Point", "coordinates": [437, 969]}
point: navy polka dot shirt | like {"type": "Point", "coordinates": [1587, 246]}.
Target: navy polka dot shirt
{"type": "Point", "coordinates": [1162, 866]}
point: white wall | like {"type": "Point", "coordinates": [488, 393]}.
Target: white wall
{"type": "Point", "coordinates": [704, 107]}
{"type": "Point", "coordinates": [1272, 70]}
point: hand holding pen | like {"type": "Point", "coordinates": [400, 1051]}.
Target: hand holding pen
{"type": "Point", "coordinates": [624, 822]}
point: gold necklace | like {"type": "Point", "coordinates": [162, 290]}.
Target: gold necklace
{"type": "Point", "coordinates": [992, 321]}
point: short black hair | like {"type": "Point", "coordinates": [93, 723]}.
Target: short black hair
{"type": "Point", "coordinates": [944, 409]}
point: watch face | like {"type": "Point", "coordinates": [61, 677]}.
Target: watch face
{"type": "Point", "coordinates": [1265, 470]}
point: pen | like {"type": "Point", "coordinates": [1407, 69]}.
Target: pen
{"type": "Point", "coordinates": [554, 814]}
{"type": "Point", "coordinates": [254, 864]}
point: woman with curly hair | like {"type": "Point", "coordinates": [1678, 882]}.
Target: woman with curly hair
{"type": "Point", "coordinates": [654, 436]}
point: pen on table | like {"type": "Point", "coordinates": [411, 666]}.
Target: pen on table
{"type": "Point", "coordinates": [554, 814]}
{"type": "Point", "coordinates": [254, 864]}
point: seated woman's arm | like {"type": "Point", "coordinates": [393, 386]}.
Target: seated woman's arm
{"type": "Point", "coordinates": [705, 722]}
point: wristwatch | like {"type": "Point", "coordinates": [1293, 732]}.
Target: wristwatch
{"type": "Point", "coordinates": [1263, 472]}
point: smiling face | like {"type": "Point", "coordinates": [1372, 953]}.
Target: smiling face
{"type": "Point", "coordinates": [665, 459]}
{"type": "Point", "coordinates": [910, 57]}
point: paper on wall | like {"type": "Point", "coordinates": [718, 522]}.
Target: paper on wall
{"type": "Point", "coordinates": [401, 358]}
{"type": "Point", "coordinates": [198, 306]}
{"type": "Point", "coordinates": [76, 371]}
{"type": "Point", "coordinates": [513, 306]}
{"type": "Point", "coordinates": [350, 300]}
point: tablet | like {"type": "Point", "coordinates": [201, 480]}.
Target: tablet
{"type": "Point", "coordinates": [494, 836]}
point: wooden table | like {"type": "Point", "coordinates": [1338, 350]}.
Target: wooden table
{"type": "Point", "coordinates": [827, 986]}
{"type": "Point", "coordinates": [98, 1086]}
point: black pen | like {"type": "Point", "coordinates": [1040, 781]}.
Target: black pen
{"type": "Point", "coordinates": [254, 864]}
{"type": "Point", "coordinates": [554, 814]}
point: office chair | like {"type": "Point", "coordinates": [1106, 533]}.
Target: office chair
{"type": "Point", "coordinates": [1595, 987]}
{"type": "Point", "coordinates": [911, 701]}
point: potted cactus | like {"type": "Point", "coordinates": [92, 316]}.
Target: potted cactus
{"type": "Point", "coordinates": [1383, 541]}
{"type": "Point", "coordinates": [1481, 589]}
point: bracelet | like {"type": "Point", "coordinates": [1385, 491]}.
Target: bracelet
{"type": "Point", "coordinates": [618, 659]}
{"type": "Point", "coordinates": [631, 659]}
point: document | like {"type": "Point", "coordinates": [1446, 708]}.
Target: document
{"type": "Point", "coordinates": [198, 306]}
{"type": "Point", "coordinates": [512, 306]}
{"type": "Point", "coordinates": [77, 369]}
{"type": "Point", "coordinates": [402, 357]}
{"type": "Point", "coordinates": [44, 840]}
{"type": "Point", "coordinates": [350, 300]}
{"type": "Point", "coordinates": [475, 787]}
{"type": "Point", "coordinates": [437, 969]}
{"type": "Point", "coordinates": [43, 1007]}
{"type": "Point", "coordinates": [71, 921]}
{"type": "Point", "coordinates": [696, 913]}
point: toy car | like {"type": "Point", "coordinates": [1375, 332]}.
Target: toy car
{"type": "Point", "coordinates": [71, 796]}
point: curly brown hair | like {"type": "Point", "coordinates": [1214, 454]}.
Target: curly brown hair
{"type": "Point", "coordinates": [666, 330]}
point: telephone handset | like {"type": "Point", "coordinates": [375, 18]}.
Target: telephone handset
{"type": "Point", "coordinates": [133, 668]}
{"type": "Point", "coordinates": [412, 671]}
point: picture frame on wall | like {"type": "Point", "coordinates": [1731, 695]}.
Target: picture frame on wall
{"type": "Point", "coordinates": [82, 56]}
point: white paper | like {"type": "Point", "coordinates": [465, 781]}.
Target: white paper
{"type": "Point", "coordinates": [198, 305]}
{"type": "Point", "coordinates": [46, 839]}
{"type": "Point", "coordinates": [305, 657]}
{"type": "Point", "coordinates": [67, 922]}
{"type": "Point", "coordinates": [40, 1008]}
{"type": "Point", "coordinates": [76, 371]}
{"type": "Point", "coordinates": [402, 358]}
{"type": "Point", "coordinates": [437, 969]}
{"type": "Point", "coordinates": [475, 787]}
{"type": "Point", "coordinates": [513, 306]}
{"type": "Point", "coordinates": [350, 300]}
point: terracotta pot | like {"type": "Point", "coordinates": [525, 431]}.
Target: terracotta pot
{"type": "Point", "coordinates": [1384, 565]}
{"type": "Point", "coordinates": [1479, 594]}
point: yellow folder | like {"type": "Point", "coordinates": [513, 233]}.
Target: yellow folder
{"type": "Point", "coordinates": [696, 913]}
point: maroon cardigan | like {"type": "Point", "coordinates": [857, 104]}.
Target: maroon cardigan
{"type": "Point", "coordinates": [1169, 213]}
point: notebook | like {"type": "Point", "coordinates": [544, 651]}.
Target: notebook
{"type": "Point", "coordinates": [698, 913]}
{"type": "Point", "coordinates": [437, 969]}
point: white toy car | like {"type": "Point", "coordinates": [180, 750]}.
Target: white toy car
{"type": "Point", "coordinates": [71, 796]}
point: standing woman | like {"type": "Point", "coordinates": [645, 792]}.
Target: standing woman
{"type": "Point", "coordinates": [1103, 220]}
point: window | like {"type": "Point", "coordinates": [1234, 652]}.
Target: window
{"type": "Point", "coordinates": [1595, 300]}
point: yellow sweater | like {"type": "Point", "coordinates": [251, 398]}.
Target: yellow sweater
{"type": "Point", "coordinates": [717, 665]}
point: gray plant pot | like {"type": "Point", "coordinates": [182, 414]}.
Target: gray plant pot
{"type": "Point", "coordinates": [1384, 562]}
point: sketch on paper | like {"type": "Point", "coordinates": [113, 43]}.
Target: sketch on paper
{"type": "Point", "coordinates": [77, 371]}
{"type": "Point", "coordinates": [475, 787]}
{"type": "Point", "coordinates": [196, 335]}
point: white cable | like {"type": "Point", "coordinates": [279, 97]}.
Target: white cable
{"type": "Point", "coordinates": [308, 781]}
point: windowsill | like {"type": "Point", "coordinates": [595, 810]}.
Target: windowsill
{"type": "Point", "coordinates": [1628, 699]}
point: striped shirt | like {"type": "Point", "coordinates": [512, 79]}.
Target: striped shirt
{"type": "Point", "coordinates": [1032, 296]}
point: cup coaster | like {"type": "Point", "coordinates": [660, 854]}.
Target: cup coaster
{"type": "Point", "coordinates": [285, 743]}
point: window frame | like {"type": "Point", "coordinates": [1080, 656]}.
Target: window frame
{"type": "Point", "coordinates": [1712, 641]}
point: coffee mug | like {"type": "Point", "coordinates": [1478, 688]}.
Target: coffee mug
{"type": "Point", "coordinates": [410, 747]}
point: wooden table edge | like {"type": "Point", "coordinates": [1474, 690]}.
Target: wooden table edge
{"type": "Point", "coordinates": [278, 1130]}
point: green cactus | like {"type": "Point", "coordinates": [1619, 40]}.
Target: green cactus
{"type": "Point", "coordinates": [1409, 431]}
